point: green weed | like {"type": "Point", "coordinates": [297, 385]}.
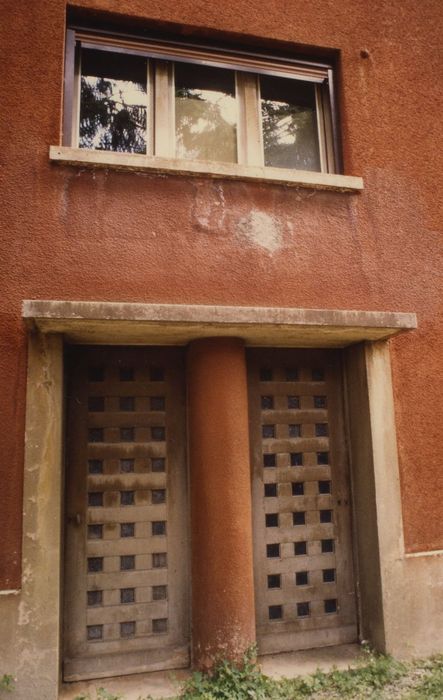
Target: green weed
{"type": "Point", "coordinates": [6, 682]}
{"type": "Point", "coordinates": [229, 681]}
{"type": "Point", "coordinates": [377, 677]}
{"type": "Point", "coordinates": [101, 694]}
{"type": "Point", "coordinates": [431, 685]}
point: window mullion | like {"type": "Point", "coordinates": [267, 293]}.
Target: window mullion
{"type": "Point", "coordinates": [76, 94]}
{"type": "Point", "coordinates": [150, 112]}
{"type": "Point", "coordinates": [322, 141]}
{"type": "Point", "coordinates": [249, 128]}
{"type": "Point", "coordinates": [68, 87]}
{"type": "Point", "coordinates": [164, 112]}
{"type": "Point", "coordinates": [326, 128]}
{"type": "Point", "coordinates": [331, 123]}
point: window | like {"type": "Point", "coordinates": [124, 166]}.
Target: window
{"type": "Point", "coordinates": [188, 102]}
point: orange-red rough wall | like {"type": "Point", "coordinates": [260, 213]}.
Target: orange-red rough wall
{"type": "Point", "coordinates": [74, 234]}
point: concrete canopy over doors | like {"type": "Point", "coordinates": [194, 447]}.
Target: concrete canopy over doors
{"type": "Point", "coordinates": [382, 568]}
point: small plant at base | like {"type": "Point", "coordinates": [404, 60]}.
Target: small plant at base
{"type": "Point", "coordinates": [431, 686]}
{"type": "Point", "coordinates": [6, 682]}
{"type": "Point", "coordinates": [229, 681]}
{"type": "Point", "coordinates": [102, 694]}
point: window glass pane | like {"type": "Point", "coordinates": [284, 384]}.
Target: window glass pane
{"type": "Point", "coordinates": [205, 113]}
{"type": "Point", "coordinates": [289, 120]}
{"type": "Point", "coordinates": [113, 101]}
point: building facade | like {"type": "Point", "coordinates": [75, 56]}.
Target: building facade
{"type": "Point", "coordinates": [221, 329]}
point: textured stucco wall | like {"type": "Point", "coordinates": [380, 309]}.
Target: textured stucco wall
{"type": "Point", "coordinates": [73, 234]}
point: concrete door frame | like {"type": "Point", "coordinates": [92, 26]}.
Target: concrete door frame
{"type": "Point", "coordinates": [389, 579]}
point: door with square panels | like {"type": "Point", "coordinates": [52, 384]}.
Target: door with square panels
{"type": "Point", "coordinates": [126, 542]}
{"type": "Point", "coordinates": [304, 581]}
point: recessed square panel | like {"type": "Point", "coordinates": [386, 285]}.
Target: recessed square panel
{"type": "Point", "coordinates": [298, 488]}
{"type": "Point", "coordinates": [95, 499]}
{"type": "Point", "coordinates": [96, 374]}
{"type": "Point", "coordinates": [126, 374]}
{"type": "Point", "coordinates": [274, 581]}
{"type": "Point", "coordinates": [324, 486]}
{"type": "Point", "coordinates": [269, 460]}
{"type": "Point", "coordinates": [327, 546]}
{"type": "Point", "coordinates": [321, 430]}
{"type": "Point", "coordinates": [320, 402]}
{"type": "Point", "coordinates": [328, 575]}
{"type": "Point", "coordinates": [159, 560]}
{"type": "Point", "coordinates": [301, 578]}
{"type": "Point", "coordinates": [95, 466]}
{"type": "Point", "coordinates": [303, 609]}
{"type": "Point", "coordinates": [300, 548]}
{"type": "Point", "coordinates": [157, 374]}
{"type": "Point", "coordinates": [293, 402]}
{"type": "Point", "coordinates": [270, 490]}
{"type": "Point", "coordinates": [267, 403]}
{"type": "Point", "coordinates": [272, 550]}
{"type": "Point", "coordinates": [94, 633]}
{"type": "Point", "coordinates": [271, 519]}
{"type": "Point", "coordinates": [291, 374]}
{"type": "Point", "coordinates": [96, 404]}
{"type": "Point", "coordinates": [157, 403]}
{"type": "Point", "coordinates": [127, 498]}
{"type": "Point", "coordinates": [299, 518]}
{"type": "Point", "coordinates": [265, 374]}
{"type": "Point", "coordinates": [95, 435]}
{"type": "Point", "coordinates": [275, 612]}
{"type": "Point", "coordinates": [268, 431]}
{"type": "Point", "coordinates": [159, 592]}
{"type": "Point", "coordinates": [294, 430]}
{"type": "Point", "coordinates": [127, 403]}
{"type": "Point", "coordinates": [127, 629]}
{"type": "Point", "coordinates": [127, 529]}
{"type": "Point", "coordinates": [94, 598]}
{"type": "Point", "coordinates": [158, 527]}
{"type": "Point", "coordinates": [318, 375]}
{"type": "Point", "coordinates": [330, 605]}
{"type": "Point", "coordinates": [326, 516]}
{"type": "Point", "coordinates": [322, 457]}
{"type": "Point", "coordinates": [127, 466]}
{"type": "Point", "coordinates": [158, 433]}
{"type": "Point", "coordinates": [95, 564]}
{"type": "Point", "coordinates": [127, 562]}
{"type": "Point", "coordinates": [296, 459]}
{"type": "Point", "coordinates": [127, 434]}
{"type": "Point", "coordinates": [95, 532]}
{"type": "Point", "coordinates": [127, 595]}
{"type": "Point", "coordinates": [158, 496]}
{"type": "Point", "coordinates": [158, 464]}
{"type": "Point", "coordinates": [160, 625]}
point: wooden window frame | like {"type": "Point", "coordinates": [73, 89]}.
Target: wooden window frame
{"type": "Point", "coordinates": [247, 67]}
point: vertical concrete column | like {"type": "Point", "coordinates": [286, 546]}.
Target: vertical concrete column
{"type": "Point", "coordinates": [223, 610]}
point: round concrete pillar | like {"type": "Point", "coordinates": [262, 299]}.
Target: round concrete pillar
{"type": "Point", "coordinates": [223, 612]}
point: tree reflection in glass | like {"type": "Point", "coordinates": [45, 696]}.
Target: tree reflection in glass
{"type": "Point", "coordinates": [289, 121]}
{"type": "Point", "coordinates": [205, 113]}
{"type": "Point", "coordinates": [113, 101]}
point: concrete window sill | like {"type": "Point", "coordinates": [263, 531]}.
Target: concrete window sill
{"type": "Point", "coordinates": [230, 171]}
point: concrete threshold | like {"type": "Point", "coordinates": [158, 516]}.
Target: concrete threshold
{"type": "Point", "coordinates": [166, 684]}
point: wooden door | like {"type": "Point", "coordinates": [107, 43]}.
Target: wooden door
{"type": "Point", "coordinates": [126, 562]}
{"type": "Point", "coordinates": [304, 583]}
